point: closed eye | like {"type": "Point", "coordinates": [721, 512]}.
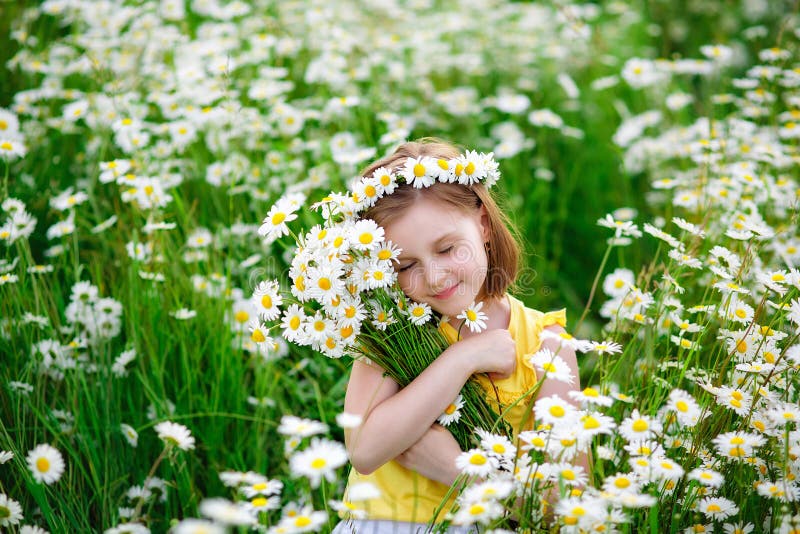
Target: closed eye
{"type": "Point", "coordinates": [405, 268]}
{"type": "Point", "coordinates": [446, 250]}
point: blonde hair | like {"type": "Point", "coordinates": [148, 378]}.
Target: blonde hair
{"type": "Point", "coordinates": [503, 250]}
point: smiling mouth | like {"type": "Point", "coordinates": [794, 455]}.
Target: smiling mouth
{"type": "Point", "coordinates": [446, 293]}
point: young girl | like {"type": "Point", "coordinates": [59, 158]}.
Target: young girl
{"type": "Point", "coordinates": [456, 250]}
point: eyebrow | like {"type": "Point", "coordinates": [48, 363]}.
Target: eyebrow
{"type": "Point", "coordinates": [438, 241]}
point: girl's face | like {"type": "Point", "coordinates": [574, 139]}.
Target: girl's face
{"type": "Point", "coordinates": [443, 261]}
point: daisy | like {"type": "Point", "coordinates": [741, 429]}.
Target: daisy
{"type": "Point", "coordinates": [639, 427]}
{"type": "Point", "coordinates": [198, 526]}
{"type": "Point", "coordinates": [274, 224]}
{"type": "Point", "coordinates": [452, 413]}
{"type": "Point", "coordinates": [302, 520]}
{"type": "Point", "coordinates": [683, 342]}
{"type": "Point", "coordinates": [496, 445]}
{"type": "Point", "coordinates": [267, 298]}
{"type": "Point", "coordinates": [388, 252]}
{"type": "Point", "coordinates": [46, 463]}
{"type": "Point", "coordinates": [473, 168]}
{"type": "Point", "coordinates": [175, 434]}
{"type": "Point", "coordinates": [606, 347]}
{"type": "Point", "coordinates": [183, 314]}
{"type": "Point", "coordinates": [291, 323]}
{"type": "Point", "coordinates": [347, 509]}
{"type": "Point", "coordinates": [5, 456]}
{"type": "Point", "coordinates": [419, 313]}
{"type": "Point", "coordinates": [565, 339]}
{"type": "Point", "coordinates": [569, 474]}
{"type": "Point", "coordinates": [11, 149]}
{"type": "Point", "coordinates": [706, 477]}
{"type": "Point", "coordinates": [590, 395]}
{"type": "Point", "coordinates": [489, 490]}
{"type": "Point", "coordinates": [365, 235]}
{"type": "Point", "coordinates": [717, 508]}
{"type": "Point", "coordinates": [226, 512]}
{"type": "Point", "coordinates": [10, 511]}
{"type": "Point", "coordinates": [131, 436]}
{"type": "Point", "coordinates": [737, 445]}
{"type": "Point", "coordinates": [476, 462]}
{"type": "Point", "coordinates": [473, 317]}
{"type": "Point", "coordinates": [348, 420]}
{"type": "Point", "coordinates": [737, 528]}
{"type": "Point", "coordinates": [685, 407]}
{"type": "Point", "coordinates": [295, 426]}
{"type": "Point", "coordinates": [596, 423]}
{"type": "Point", "coordinates": [415, 171]}
{"type": "Point", "coordinates": [320, 459]}
{"type": "Point", "coordinates": [553, 409]}
{"type": "Point", "coordinates": [551, 366]}
{"type": "Point", "coordinates": [621, 228]}
{"type": "Point", "coordinates": [666, 469]}
{"type": "Point", "coordinates": [622, 483]}
{"type": "Point", "coordinates": [384, 180]}
{"type": "Point", "coordinates": [478, 512]}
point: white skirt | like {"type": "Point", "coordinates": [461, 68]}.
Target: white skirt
{"type": "Point", "coordinates": [373, 526]}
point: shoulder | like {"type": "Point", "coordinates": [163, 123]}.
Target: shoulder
{"type": "Point", "coordinates": [526, 317]}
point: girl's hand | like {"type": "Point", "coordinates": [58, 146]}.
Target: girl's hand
{"type": "Point", "coordinates": [433, 456]}
{"type": "Point", "coordinates": [493, 352]}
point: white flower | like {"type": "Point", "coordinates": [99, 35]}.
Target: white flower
{"type": "Point", "coordinates": [606, 347]}
{"type": "Point", "coordinates": [5, 456]}
{"type": "Point", "coordinates": [717, 507]}
{"type": "Point", "coordinates": [348, 420]}
{"type": "Point", "coordinates": [303, 520]}
{"type": "Point", "coordinates": [639, 427]}
{"type": "Point", "coordinates": [551, 366]}
{"type": "Point", "coordinates": [478, 512]}
{"type": "Point", "coordinates": [130, 434]}
{"type": "Point", "coordinates": [183, 314]}
{"type": "Point", "coordinates": [419, 313]}
{"type": "Point", "coordinates": [320, 459]}
{"type": "Point", "coordinates": [10, 511]}
{"type": "Point", "coordinates": [11, 148]}
{"type": "Point", "coordinates": [197, 526]}
{"type": "Point", "coordinates": [226, 512]}
{"type": "Point", "coordinates": [365, 235]}
{"type": "Point", "coordinates": [295, 426]}
{"type": "Point", "coordinates": [473, 317]}
{"type": "Point", "coordinates": [274, 224]}
{"type": "Point", "coordinates": [46, 463]}
{"type": "Point", "coordinates": [452, 413]}
{"type": "Point", "coordinates": [565, 339]}
{"type": "Point", "coordinates": [476, 462]}
{"type": "Point", "coordinates": [175, 434]}
{"type": "Point", "coordinates": [419, 172]}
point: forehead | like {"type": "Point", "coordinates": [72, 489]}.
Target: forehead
{"type": "Point", "coordinates": [426, 222]}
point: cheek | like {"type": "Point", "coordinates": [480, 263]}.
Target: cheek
{"type": "Point", "coordinates": [408, 283]}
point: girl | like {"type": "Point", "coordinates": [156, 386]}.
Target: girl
{"type": "Point", "coordinates": [456, 250]}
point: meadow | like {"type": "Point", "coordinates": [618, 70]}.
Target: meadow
{"type": "Point", "coordinates": [649, 161]}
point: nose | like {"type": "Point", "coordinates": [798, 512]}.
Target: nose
{"type": "Point", "coordinates": [435, 275]}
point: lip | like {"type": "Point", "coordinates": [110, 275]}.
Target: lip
{"type": "Point", "coordinates": [447, 293]}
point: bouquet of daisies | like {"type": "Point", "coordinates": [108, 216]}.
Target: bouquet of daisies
{"type": "Point", "coordinates": [344, 298]}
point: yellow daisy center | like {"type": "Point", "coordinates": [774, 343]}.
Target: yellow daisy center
{"type": "Point", "coordinates": [43, 465]}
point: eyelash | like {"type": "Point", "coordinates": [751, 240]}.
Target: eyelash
{"type": "Point", "coordinates": [444, 251]}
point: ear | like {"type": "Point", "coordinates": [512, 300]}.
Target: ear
{"type": "Point", "coordinates": [484, 223]}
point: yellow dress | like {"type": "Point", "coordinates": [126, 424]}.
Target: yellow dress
{"type": "Point", "coordinates": [408, 496]}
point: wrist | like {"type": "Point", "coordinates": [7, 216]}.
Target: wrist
{"type": "Point", "coordinates": [461, 361]}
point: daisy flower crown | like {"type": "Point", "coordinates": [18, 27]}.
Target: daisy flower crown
{"type": "Point", "coordinates": [467, 169]}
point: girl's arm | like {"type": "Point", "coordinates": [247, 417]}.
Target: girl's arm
{"type": "Point", "coordinates": [394, 419]}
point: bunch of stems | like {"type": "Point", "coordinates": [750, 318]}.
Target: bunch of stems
{"type": "Point", "coordinates": [404, 350]}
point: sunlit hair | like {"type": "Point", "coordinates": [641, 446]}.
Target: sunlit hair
{"type": "Point", "coordinates": [503, 250]}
